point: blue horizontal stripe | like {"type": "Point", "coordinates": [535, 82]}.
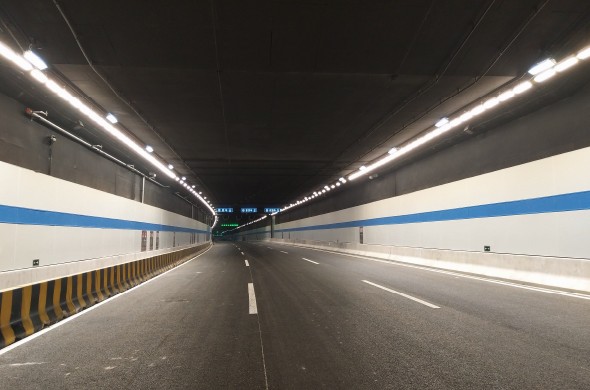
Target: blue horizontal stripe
{"type": "Point", "coordinates": [549, 204]}
{"type": "Point", "coordinates": [24, 216]}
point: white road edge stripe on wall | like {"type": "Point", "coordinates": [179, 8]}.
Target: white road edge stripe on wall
{"type": "Point", "coordinates": [403, 295]}
{"type": "Point", "coordinates": [311, 261]}
{"type": "Point", "coordinates": [247, 264]}
{"type": "Point", "coordinates": [252, 299]}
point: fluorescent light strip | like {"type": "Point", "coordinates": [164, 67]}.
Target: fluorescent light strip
{"type": "Point", "coordinates": [542, 71]}
{"type": "Point", "coordinates": [246, 224]}
{"type": "Point", "coordinates": [16, 59]}
{"type": "Point", "coordinates": [35, 72]}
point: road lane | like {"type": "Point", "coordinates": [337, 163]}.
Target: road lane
{"type": "Point", "coordinates": [188, 329]}
{"type": "Point", "coordinates": [316, 325]}
{"type": "Point", "coordinates": [346, 334]}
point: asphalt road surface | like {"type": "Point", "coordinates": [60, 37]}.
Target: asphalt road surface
{"type": "Point", "coordinates": [264, 315]}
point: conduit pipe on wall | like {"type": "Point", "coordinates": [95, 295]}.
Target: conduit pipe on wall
{"type": "Point", "coordinates": [95, 149]}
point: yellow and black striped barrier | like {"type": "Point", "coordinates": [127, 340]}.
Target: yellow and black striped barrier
{"type": "Point", "coordinates": [26, 310]}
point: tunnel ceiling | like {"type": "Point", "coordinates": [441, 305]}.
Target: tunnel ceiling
{"type": "Point", "coordinates": [265, 100]}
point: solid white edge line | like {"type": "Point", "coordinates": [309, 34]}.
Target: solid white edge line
{"type": "Point", "coordinates": [247, 264]}
{"type": "Point", "coordinates": [252, 309]}
{"type": "Point", "coordinates": [110, 299]}
{"type": "Point", "coordinates": [311, 261]}
{"type": "Point", "coordinates": [452, 273]}
{"type": "Point", "coordinates": [403, 295]}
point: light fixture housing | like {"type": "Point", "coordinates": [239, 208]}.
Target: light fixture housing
{"type": "Point", "coordinates": [442, 122]}
{"type": "Point", "coordinates": [35, 60]}
{"type": "Point", "coordinates": [542, 66]}
{"type": "Point", "coordinates": [149, 149]}
{"type": "Point", "coordinates": [111, 118]}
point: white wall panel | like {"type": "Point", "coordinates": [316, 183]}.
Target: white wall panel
{"type": "Point", "coordinates": [39, 191]}
{"type": "Point", "coordinates": [558, 234]}
{"type": "Point", "coordinates": [20, 243]}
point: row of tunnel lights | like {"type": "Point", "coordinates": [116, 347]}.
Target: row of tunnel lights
{"type": "Point", "coordinates": [35, 65]}
{"type": "Point", "coordinates": [539, 73]}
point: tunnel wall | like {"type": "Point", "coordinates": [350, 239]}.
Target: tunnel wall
{"type": "Point", "coordinates": [70, 228]}
{"type": "Point", "coordinates": [24, 142]}
{"type": "Point", "coordinates": [534, 217]}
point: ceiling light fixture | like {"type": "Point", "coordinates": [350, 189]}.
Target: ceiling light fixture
{"type": "Point", "coordinates": [546, 75]}
{"type": "Point", "coordinates": [584, 53]}
{"type": "Point", "coordinates": [35, 60]}
{"type": "Point", "coordinates": [39, 76]}
{"type": "Point", "coordinates": [566, 64]}
{"type": "Point", "coordinates": [111, 118]}
{"type": "Point", "coordinates": [149, 149]}
{"type": "Point", "coordinates": [442, 122]}
{"type": "Point", "coordinates": [542, 66]}
{"type": "Point", "coordinates": [16, 59]}
{"type": "Point", "coordinates": [522, 87]}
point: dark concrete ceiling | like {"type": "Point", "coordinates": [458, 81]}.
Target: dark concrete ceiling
{"type": "Point", "coordinates": [263, 101]}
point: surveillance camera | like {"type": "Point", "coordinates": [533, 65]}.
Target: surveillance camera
{"type": "Point", "coordinates": [52, 139]}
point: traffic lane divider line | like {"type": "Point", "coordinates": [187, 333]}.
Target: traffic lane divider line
{"type": "Point", "coordinates": [403, 295]}
{"type": "Point", "coordinates": [252, 308]}
{"type": "Point", "coordinates": [311, 261]}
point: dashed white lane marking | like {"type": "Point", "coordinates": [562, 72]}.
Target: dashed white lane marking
{"type": "Point", "coordinates": [247, 264]}
{"type": "Point", "coordinates": [403, 295]}
{"type": "Point", "coordinates": [252, 299]}
{"type": "Point", "coordinates": [285, 252]}
{"type": "Point", "coordinates": [311, 261]}
{"type": "Point", "coordinates": [242, 253]}
{"type": "Point", "coordinates": [26, 364]}
{"type": "Point", "coordinates": [268, 247]}
{"type": "Point", "coordinates": [91, 308]}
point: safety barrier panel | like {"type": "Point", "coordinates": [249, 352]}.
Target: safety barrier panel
{"type": "Point", "coordinates": [26, 310]}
